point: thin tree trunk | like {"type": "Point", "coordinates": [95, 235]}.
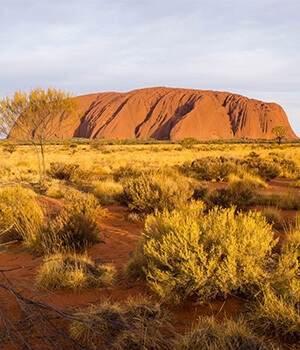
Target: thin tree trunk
{"type": "Point", "coordinates": [41, 182]}
{"type": "Point", "coordinates": [42, 147]}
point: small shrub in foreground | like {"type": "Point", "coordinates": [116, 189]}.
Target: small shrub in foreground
{"type": "Point", "coordinates": [21, 218]}
{"type": "Point", "coordinates": [229, 335]}
{"type": "Point", "coordinates": [74, 229]}
{"type": "Point", "coordinates": [156, 191]}
{"type": "Point", "coordinates": [74, 272]}
{"type": "Point", "coordinates": [276, 315]}
{"type": "Point", "coordinates": [191, 253]}
{"type": "Point", "coordinates": [137, 324]}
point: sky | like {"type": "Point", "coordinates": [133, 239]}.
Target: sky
{"type": "Point", "coordinates": [83, 46]}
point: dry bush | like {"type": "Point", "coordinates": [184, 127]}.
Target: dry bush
{"type": "Point", "coordinates": [210, 168]}
{"type": "Point", "coordinates": [276, 315]}
{"type": "Point", "coordinates": [286, 201]}
{"type": "Point", "coordinates": [74, 229]}
{"type": "Point", "coordinates": [191, 253]}
{"type": "Point", "coordinates": [74, 272]}
{"type": "Point", "coordinates": [156, 191]}
{"type": "Point", "coordinates": [20, 215]}
{"type": "Point", "coordinates": [273, 216]}
{"type": "Point", "coordinates": [229, 335]}
{"type": "Point", "coordinates": [70, 172]}
{"type": "Point", "coordinates": [276, 310]}
{"type": "Point", "coordinates": [265, 169]}
{"type": "Point", "coordinates": [107, 192]}
{"type": "Point", "coordinates": [240, 193]}
{"type": "Point", "coordinates": [136, 324]}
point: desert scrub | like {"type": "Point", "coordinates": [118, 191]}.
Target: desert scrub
{"type": "Point", "coordinates": [210, 335]}
{"type": "Point", "coordinates": [107, 192]}
{"type": "Point", "coordinates": [287, 201]}
{"type": "Point", "coordinates": [276, 310]}
{"type": "Point", "coordinates": [21, 217]}
{"type": "Point", "coordinates": [74, 229]}
{"type": "Point", "coordinates": [265, 169]}
{"type": "Point", "coordinates": [70, 172]}
{"type": "Point", "coordinates": [240, 193]}
{"type": "Point", "coordinates": [190, 253]}
{"type": "Point", "coordinates": [156, 191]}
{"type": "Point", "coordinates": [275, 315]}
{"type": "Point", "coordinates": [136, 324]}
{"type": "Point", "coordinates": [74, 272]}
{"type": "Point", "coordinates": [210, 168]}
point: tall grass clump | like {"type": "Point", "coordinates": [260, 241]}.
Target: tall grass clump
{"type": "Point", "coordinates": [107, 192]}
{"type": "Point", "coordinates": [276, 310]}
{"type": "Point", "coordinates": [75, 272]}
{"type": "Point", "coordinates": [75, 228]}
{"type": "Point", "coordinates": [156, 191]}
{"type": "Point", "coordinates": [21, 217]}
{"type": "Point", "coordinates": [206, 255]}
{"type": "Point", "coordinates": [136, 324]}
{"type": "Point", "coordinates": [229, 335]}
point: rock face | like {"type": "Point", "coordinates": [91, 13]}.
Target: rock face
{"type": "Point", "coordinates": [169, 113]}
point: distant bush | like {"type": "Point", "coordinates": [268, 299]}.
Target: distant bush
{"type": "Point", "coordinates": [21, 217]}
{"type": "Point", "coordinates": [210, 168]}
{"type": "Point", "coordinates": [156, 191]}
{"type": "Point", "coordinates": [135, 324]}
{"type": "Point", "coordinates": [265, 169]}
{"type": "Point", "coordinates": [190, 253]}
{"type": "Point", "coordinates": [74, 272]}
{"type": "Point", "coordinates": [286, 201]}
{"type": "Point", "coordinates": [69, 172]}
{"type": "Point", "coordinates": [210, 335]}
{"type": "Point", "coordinates": [63, 171]}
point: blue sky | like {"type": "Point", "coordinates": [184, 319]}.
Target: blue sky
{"type": "Point", "coordinates": [84, 46]}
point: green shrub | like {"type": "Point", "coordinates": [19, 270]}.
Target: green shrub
{"type": "Point", "coordinates": [190, 253]}
{"type": "Point", "coordinates": [21, 217]}
{"type": "Point", "coordinates": [229, 335]}
{"type": "Point", "coordinates": [136, 324]}
{"type": "Point", "coordinates": [156, 191]}
{"type": "Point", "coordinates": [74, 272]}
{"type": "Point", "coordinates": [74, 229]}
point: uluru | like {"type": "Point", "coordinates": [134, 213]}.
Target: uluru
{"type": "Point", "coordinates": [175, 113]}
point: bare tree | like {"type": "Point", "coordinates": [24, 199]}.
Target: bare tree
{"type": "Point", "coordinates": [37, 116]}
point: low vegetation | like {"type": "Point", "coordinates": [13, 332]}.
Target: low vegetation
{"type": "Point", "coordinates": [136, 324]}
{"type": "Point", "coordinates": [206, 255]}
{"type": "Point", "coordinates": [201, 240]}
{"type": "Point", "coordinates": [75, 272]}
{"type": "Point", "coordinates": [210, 335]}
